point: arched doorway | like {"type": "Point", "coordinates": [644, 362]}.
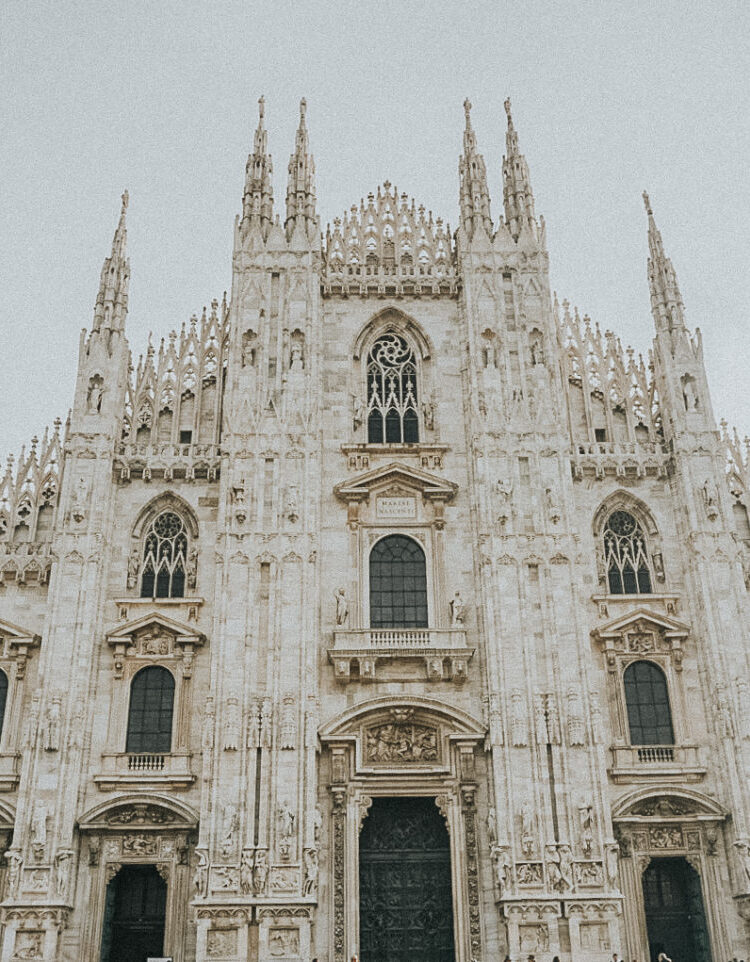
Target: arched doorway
{"type": "Point", "coordinates": [134, 916]}
{"type": "Point", "coordinates": [406, 903]}
{"type": "Point", "coordinates": [675, 916]}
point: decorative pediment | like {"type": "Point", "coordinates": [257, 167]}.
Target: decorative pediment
{"type": "Point", "coordinates": [154, 636]}
{"type": "Point", "coordinates": [643, 618]}
{"type": "Point", "coordinates": [400, 476]}
{"type": "Point", "coordinates": [642, 632]}
{"type": "Point", "coordinates": [142, 811]}
{"type": "Point", "coordinates": [676, 804]}
{"type": "Point", "coordinates": [16, 644]}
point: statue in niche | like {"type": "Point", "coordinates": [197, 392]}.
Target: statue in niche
{"type": "Point", "coordinates": [709, 497]}
{"type": "Point", "coordinates": [291, 508]}
{"type": "Point", "coordinates": [310, 884]}
{"type": "Point", "coordinates": [52, 725]}
{"type": "Point", "coordinates": [586, 818]}
{"type": "Point", "coordinates": [536, 349]}
{"type": "Point", "coordinates": [743, 851]}
{"type": "Point", "coordinates": [566, 865]}
{"type": "Point", "coordinates": [80, 499]}
{"type": "Point", "coordinates": [285, 819]}
{"type": "Point", "coordinates": [95, 395]}
{"type": "Point", "coordinates": [492, 826]}
{"type": "Point", "coordinates": [458, 610]}
{"type": "Point", "coordinates": [134, 565]}
{"type": "Point", "coordinates": [15, 864]}
{"type": "Point", "coordinates": [554, 873]}
{"type": "Point", "coordinates": [489, 353]}
{"type": "Point", "coordinates": [260, 872]}
{"type": "Point", "coordinates": [39, 831]}
{"type": "Point", "coordinates": [249, 350]}
{"type": "Point", "coordinates": [428, 414]}
{"type": "Point", "coordinates": [200, 876]}
{"type": "Point", "coordinates": [246, 871]}
{"type": "Point", "coordinates": [317, 823]}
{"type": "Point", "coordinates": [63, 866]}
{"type": "Point", "coordinates": [527, 829]}
{"type": "Point", "coordinates": [358, 411]}
{"type": "Point", "coordinates": [611, 857]}
{"type": "Point", "coordinates": [501, 856]}
{"type": "Point", "coordinates": [689, 394]}
{"type": "Point", "coordinates": [230, 825]}
{"type": "Point", "coordinates": [296, 361]}
{"type": "Point", "coordinates": [342, 607]}
{"type": "Point", "coordinates": [232, 725]}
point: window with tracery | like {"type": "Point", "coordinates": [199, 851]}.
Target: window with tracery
{"type": "Point", "coordinates": [392, 416]}
{"type": "Point", "coordinates": [647, 700]}
{"type": "Point", "coordinates": [398, 584]}
{"type": "Point", "coordinates": [626, 558]}
{"type": "Point", "coordinates": [150, 714]}
{"type": "Point", "coordinates": [164, 557]}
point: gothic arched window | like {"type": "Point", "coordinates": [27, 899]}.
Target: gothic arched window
{"type": "Point", "coordinates": [626, 559]}
{"type": "Point", "coordinates": [150, 712]}
{"type": "Point", "coordinates": [164, 557]}
{"type": "Point", "coordinates": [398, 584]}
{"type": "Point", "coordinates": [3, 697]}
{"type": "Point", "coordinates": [647, 700]}
{"type": "Point", "coordinates": [392, 392]}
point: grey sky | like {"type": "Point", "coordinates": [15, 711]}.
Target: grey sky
{"type": "Point", "coordinates": [609, 98]}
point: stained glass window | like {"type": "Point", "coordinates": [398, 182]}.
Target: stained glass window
{"type": "Point", "coordinates": [628, 568]}
{"type": "Point", "coordinates": [164, 554]}
{"type": "Point", "coordinates": [392, 392]}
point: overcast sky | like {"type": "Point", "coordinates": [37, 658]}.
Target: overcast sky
{"type": "Point", "coordinates": [609, 98]}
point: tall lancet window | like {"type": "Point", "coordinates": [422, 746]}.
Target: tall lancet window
{"type": "Point", "coordinates": [164, 557]}
{"type": "Point", "coordinates": [392, 392]}
{"type": "Point", "coordinates": [628, 568]}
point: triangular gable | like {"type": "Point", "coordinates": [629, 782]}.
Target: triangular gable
{"type": "Point", "coordinates": [618, 627]}
{"type": "Point", "coordinates": [16, 635]}
{"type": "Point", "coordinates": [184, 634]}
{"type": "Point", "coordinates": [432, 487]}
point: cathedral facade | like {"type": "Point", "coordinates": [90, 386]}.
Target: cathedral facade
{"type": "Point", "coordinates": [388, 608]}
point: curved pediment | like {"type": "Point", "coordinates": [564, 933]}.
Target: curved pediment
{"type": "Point", "coordinates": [674, 803]}
{"type": "Point", "coordinates": [387, 710]}
{"type": "Point", "coordinates": [144, 810]}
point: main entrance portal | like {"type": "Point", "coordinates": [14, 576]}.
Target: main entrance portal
{"type": "Point", "coordinates": [675, 918]}
{"type": "Point", "coordinates": [405, 900]}
{"type": "Point", "coordinates": [134, 915]}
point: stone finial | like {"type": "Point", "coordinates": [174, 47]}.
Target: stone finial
{"type": "Point", "coordinates": [647, 203]}
{"type": "Point", "coordinates": [467, 111]}
{"type": "Point", "coordinates": [302, 110]}
{"type": "Point", "coordinates": [506, 104]}
{"type": "Point", "coordinates": [125, 200]}
{"type": "Point", "coordinates": [261, 108]}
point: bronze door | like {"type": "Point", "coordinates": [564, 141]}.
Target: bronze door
{"type": "Point", "coordinates": [405, 896]}
{"type": "Point", "coordinates": [134, 915]}
{"type": "Point", "coordinates": [675, 916]}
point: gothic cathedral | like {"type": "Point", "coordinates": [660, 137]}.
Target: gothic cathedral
{"type": "Point", "coordinates": [388, 609]}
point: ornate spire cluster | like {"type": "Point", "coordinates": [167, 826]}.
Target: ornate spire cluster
{"type": "Point", "coordinates": [738, 462]}
{"type": "Point", "coordinates": [474, 194]}
{"type": "Point", "coordinates": [111, 306]}
{"type": "Point", "coordinates": [300, 192]}
{"type": "Point", "coordinates": [257, 202]}
{"type": "Point", "coordinates": [610, 378]}
{"type": "Point", "coordinates": [29, 490]}
{"type": "Point", "coordinates": [517, 196]}
{"type": "Point", "coordinates": [666, 299]}
{"type": "Point", "coordinates": [389, 242]}
{"type": "Point", "coordinates": [177, 389]}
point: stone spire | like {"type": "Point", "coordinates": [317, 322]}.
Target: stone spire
{"type": "Point", "coordinates": [474, 195]}
{"type": "Point", "coordinates": [111, 306]}
{"type": "Point", "coordinates": [517, 195]}
{"type": "Point", "coordinates": [257, 202]}
{"type": "Point", "coordinates": [300, 191]}
{"type": "Point", "coordinates": [666, 300]}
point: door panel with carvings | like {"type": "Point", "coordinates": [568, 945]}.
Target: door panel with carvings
{"type": "Point", "coordinates": [406, 905]}
{"type": "Point", "coordinates": [675, 916]}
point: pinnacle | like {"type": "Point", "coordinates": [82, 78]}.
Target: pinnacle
{"type": "Point", "coordinates": [647, 203]}
{"type": "Point", "coordinates": [506, 104]}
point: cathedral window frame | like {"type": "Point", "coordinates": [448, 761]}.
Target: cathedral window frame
{"type": "Point", "coordinates": [420, 540]}
{"type": "Point", "coordinates": [395, 323]}
{"type": "Point", "coordinates": [16, 647]}
{"type": "Point", "coordinates": [150, 641]}
{"type": "Point", "coordinates": [650, 549]}
{"type": "Point", "coordinates": [166, 503]}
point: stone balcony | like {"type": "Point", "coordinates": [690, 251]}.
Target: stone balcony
{"type": "Point", "coordinates": [644, 763]}
{"type": "Point", "coordinates": [167, 461]}
{"type": "Point", "coordinates": [621, 459]}
{"type": "Point", "coordinates": [385, 654]}
{"type": "Point", "coordinates": [151, 770]}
